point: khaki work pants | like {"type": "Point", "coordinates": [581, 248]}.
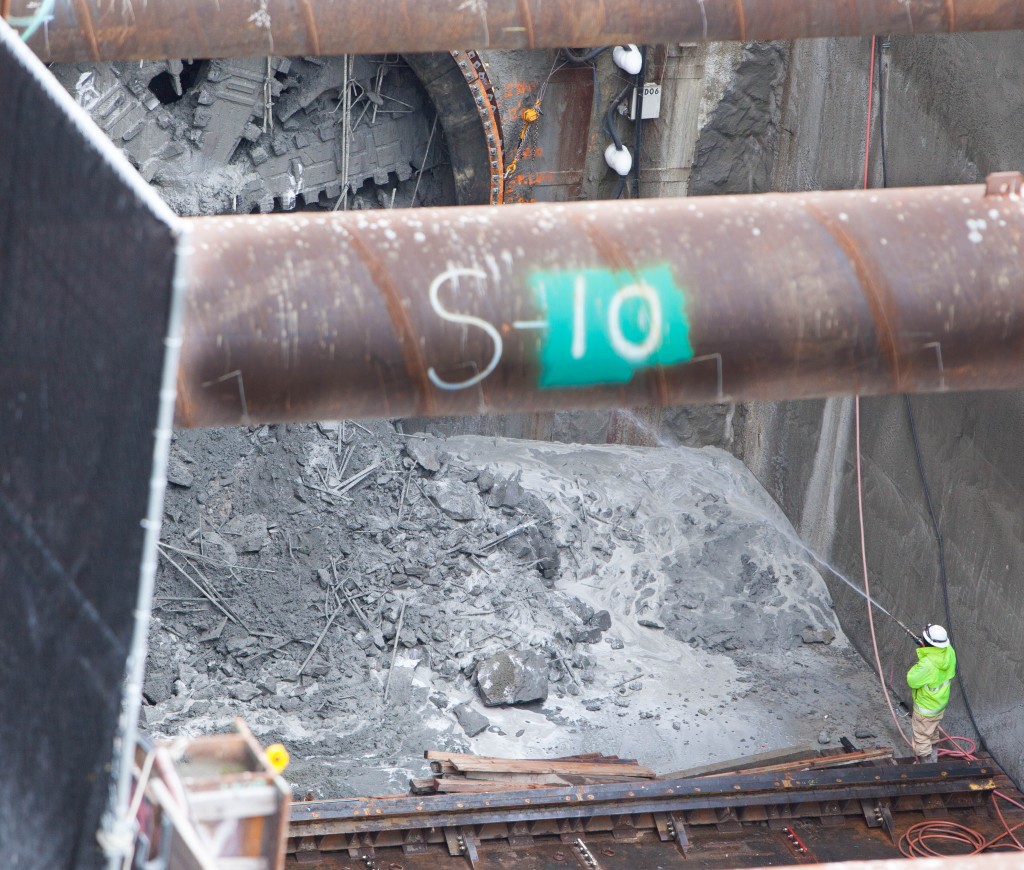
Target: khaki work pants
{"type": "Point", "coordinates": [925, 732]}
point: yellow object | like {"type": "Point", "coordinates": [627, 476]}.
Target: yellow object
{"type": "Point", "coordinates": [278, 756]}
{"type": "Point", "coordinates": [530, 115]}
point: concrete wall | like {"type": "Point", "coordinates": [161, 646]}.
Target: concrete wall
{"type": "Point", "coordinates": [803, 453]}
{"type": "Point", "coordinates": [953, 110]}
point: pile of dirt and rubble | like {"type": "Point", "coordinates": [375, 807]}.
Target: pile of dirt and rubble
{"type": "Point", "coordinates": [545, 599]}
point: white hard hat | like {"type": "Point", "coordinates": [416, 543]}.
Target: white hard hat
{"type": "Point", "coordinates": [936, 635]}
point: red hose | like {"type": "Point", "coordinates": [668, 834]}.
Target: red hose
{"type": "Point", "coordinates": [920, 840]}
{"type": "Point", "coordinates": [856, 409]}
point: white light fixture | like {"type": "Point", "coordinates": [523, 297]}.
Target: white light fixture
{"type": "Point", "coordinates": [628, 58]}
{"type": "Point", "coordinates": [618, 159]}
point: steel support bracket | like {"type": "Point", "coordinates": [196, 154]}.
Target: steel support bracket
{"type": "Point", "coordinates": [469, 843]}
{"type": "Point", "coordinates": [1004, 184]}
{"type": "Point", "coordinates": [677, 827]}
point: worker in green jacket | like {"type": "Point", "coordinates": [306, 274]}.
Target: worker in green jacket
{"type": "Point", "coordinates": [929, 679]}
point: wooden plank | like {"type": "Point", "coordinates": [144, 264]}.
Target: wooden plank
{"type": "Point", "coordinates": [500, 776]}
{"type": "Point", "coordinates": [823, 762]}
{"type": "Point", "coordinates": [440, 756]}
{"type": "Point", "coordinates": [457, 785]}
{"type": "Point", "coordinates": [549, 778]}
{"type": "Point", "coordinates": [591, 756]}
{"type": "Point", "coordinates": [597, 780]}
{"type": "Point", "coordinates": [775, 756]}
{"type": "Point", "coordinates": [577, 768]}
{"type": "Point", "coordinates": [421, 786]}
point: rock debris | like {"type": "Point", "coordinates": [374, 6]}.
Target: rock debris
{"type": "Point", "coordinates": [360, 595]}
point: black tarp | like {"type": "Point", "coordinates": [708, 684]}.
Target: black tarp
{"type": "Point", "coordinates": [86, 265]}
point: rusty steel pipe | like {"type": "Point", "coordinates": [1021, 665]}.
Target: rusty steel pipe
{"type": "Point", "coordinates": [486, 310]}
{"type": "Point", "coordinates": [154, 29]}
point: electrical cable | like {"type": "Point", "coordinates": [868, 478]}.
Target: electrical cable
{"type": "Point", "coordinates": [608, 125]}
{"type": "Point", "coordinates": [856, 411]}
{"type": "Point", "coordinates": [941, 546]}
{"type": "Point", "coordinates": [920, 839]}
{"type": "Point", "coordinates": [917, 841]}
{"type": "Point", "coordinates": [883, 87]}
{"type": "Point", "coordinates": [639, 120]}
{"type": "Point", "coordinates": [871, 98]}
{"type": "Point", "coordinates": [919, 460]}
{"type": "Point", "coordinates": [586, 57]}
{"type": "Point", "coordinates": [867, 582]}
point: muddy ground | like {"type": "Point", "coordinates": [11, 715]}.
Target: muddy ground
{"type": "Point", "coordinates": [659, 597]}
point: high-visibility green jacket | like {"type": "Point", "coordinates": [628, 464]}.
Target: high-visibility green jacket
{"type": "Point", "coordinates": [930, 679]}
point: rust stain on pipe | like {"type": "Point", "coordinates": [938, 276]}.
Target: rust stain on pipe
{"type": "Point", "coordinates": [949, 9]}
{"type": "Point", "coordinates": [310, 19]}
{"type": "Point", "coordinates": [604, 304]}
{"type": "Point", "coordinates": [192, 28]}
{"type": "Point", "coordinates": [408, 340]}
{"type": "Point", "coordinates": [88, 32]}
{"type": "Point", "coordinates": [875, 292]}
{"type": "Point", "coordinates": [527, 19]}
{"type": "Point", "coordinates": [741, 21]}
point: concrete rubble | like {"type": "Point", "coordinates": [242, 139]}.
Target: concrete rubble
{"type": "Point", "coordinates": [360, 594]}
{"type": "Point", "coordinates": [513, 677]}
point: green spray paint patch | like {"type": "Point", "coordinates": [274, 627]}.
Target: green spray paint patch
{"type": "Point", "coordinates": [604, 326]}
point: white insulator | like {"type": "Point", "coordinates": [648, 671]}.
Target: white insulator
{"type": "Point", "coordinates": [628, 58]}
{"type": "Point", "coordinates": [618, 159]}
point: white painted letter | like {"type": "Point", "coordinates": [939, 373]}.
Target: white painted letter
{"type": "Point", "coordinates": [468, 320]}
{"type": "Point", "coordinates": [628, 350]}
{"type": "Point", "coordinates": [579, 319]}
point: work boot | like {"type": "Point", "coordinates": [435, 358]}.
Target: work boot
{"type": "Point", "coordinates": [934, 757]}
{"type": "Point", "coordinates": [922, 759]}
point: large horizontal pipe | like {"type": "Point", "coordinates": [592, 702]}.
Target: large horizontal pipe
{"type": "Point", "coordinates": [68, 30]}
{"type": "Point", "coordinates": [485, 310]}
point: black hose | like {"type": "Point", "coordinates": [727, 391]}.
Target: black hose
{"type": "Point", "coordinates": [918, 457]}
{"type": "Point", "coordinates": [940, 543]}
{"type": "Point", "coordinates": [639, 121]}
{"type": "Point", "coordinates": [883, 87]}
{"type": "Point", "coordinates": [586, 57]}
{"type": "Point", "coordinates": [608, 125]}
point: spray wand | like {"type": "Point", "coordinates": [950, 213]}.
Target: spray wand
{"type": "Point", "coordinates": [915, 637]}
{"type": "Point", "coordinates": [863, 595]}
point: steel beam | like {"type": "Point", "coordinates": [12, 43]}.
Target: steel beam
{"type": "Point", "coordinates": [360, 815]}
{"type": "Point", "coordinates": [991, 861]}
{"type": "Point", "coordinates": [652, 302]}
{"type": "Point", "coordinates": [65, 30]}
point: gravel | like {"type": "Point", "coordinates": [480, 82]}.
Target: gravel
{"type": "Point", "coordinates": [646, 602]}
